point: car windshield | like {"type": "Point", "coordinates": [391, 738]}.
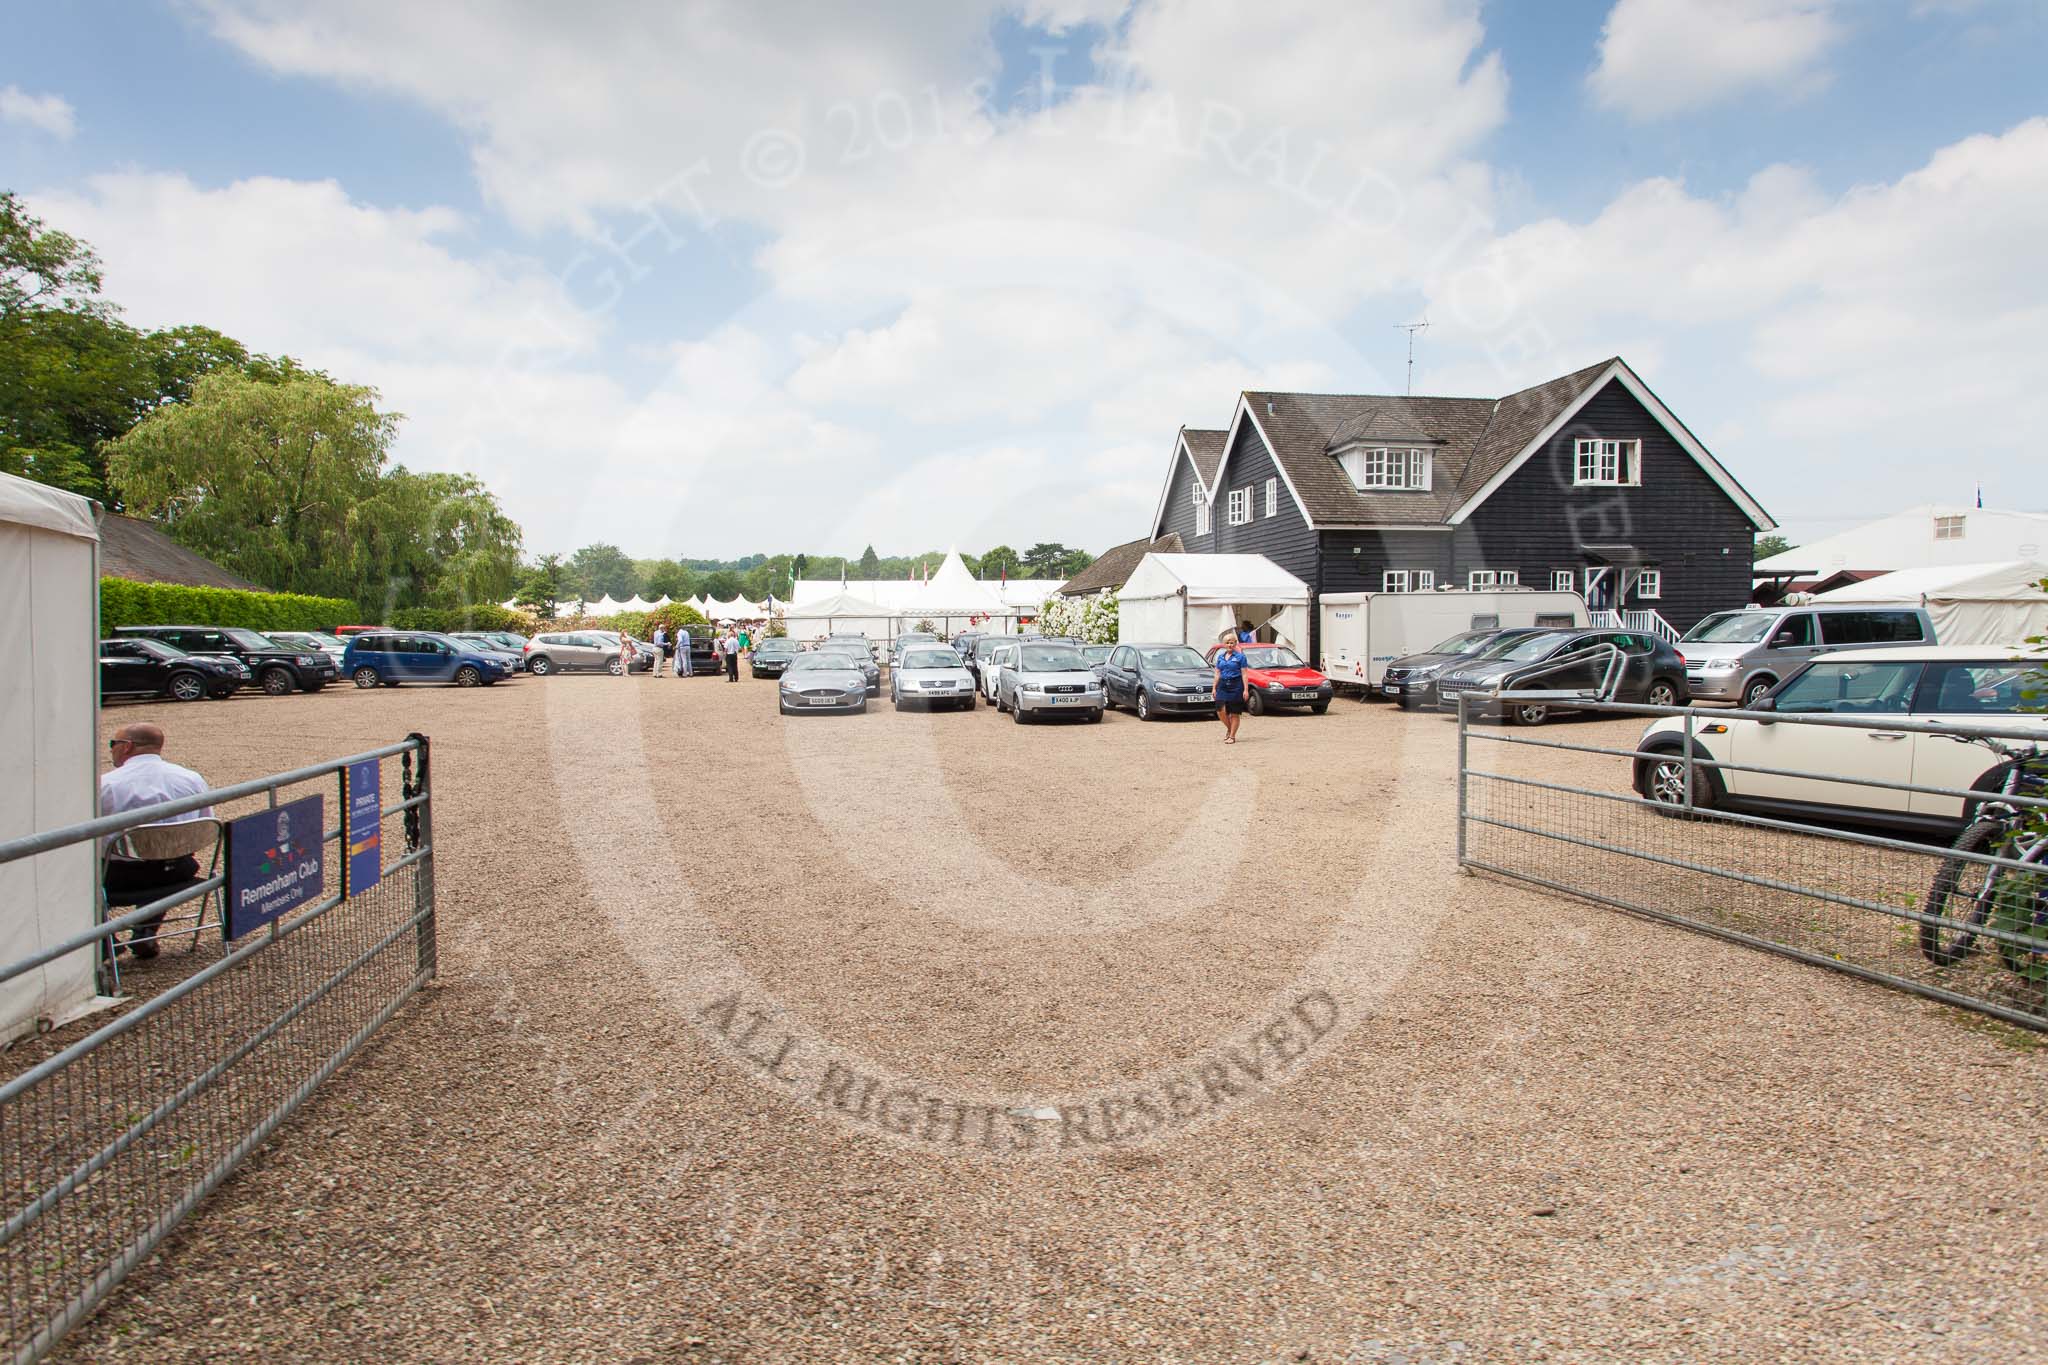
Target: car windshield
{"type": "Point", "coordinates": [930, 658]}
{"type": "Point", "coordinates": [1051, 659]}
{"type": "Point", "coordinates": [1500, 644]}
{"type": "Point", "coordinates": [819, 662]}
{"type": "Point", "coordinates": [1462, 643]}
{"type": "Point", "coordinates": [1528, 647]}
{"type": "Point", "coordinates": [1172, 656]}
{"type": "Point", "coordinates": [1732, 628]}
{"type": "Point", "coordinates": [984, 648]}
{"type": "Point", "coordinates": [1272, 656]}
{"type": "Point", "coordinates": [902, 640]}
{"type": "Point", "coordinates": [775, 646]}
{"type": "Point", "coordinates": [249, 639]}
{"type": "Point", "coordinates": [1096, 654]}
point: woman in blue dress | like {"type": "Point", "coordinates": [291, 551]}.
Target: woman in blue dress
{"type": "Point", "coordinates": [1229, 664]}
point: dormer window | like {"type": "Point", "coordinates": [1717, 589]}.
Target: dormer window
{"type": "Point", "coordinates": [1374, 469]}
{"type": "Point", "coordinates": [1610, 463]}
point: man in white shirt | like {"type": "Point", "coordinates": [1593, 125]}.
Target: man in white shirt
{"type": "Point", "coordinates": [141, 778]}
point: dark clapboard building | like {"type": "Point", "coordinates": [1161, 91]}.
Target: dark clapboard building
{"type": "Point", "coordinates": [1585, 482]}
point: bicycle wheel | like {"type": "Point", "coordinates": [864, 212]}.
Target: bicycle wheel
{"type": "Point", "coordinates": [1961, 895]}
{"type": "Point", "coordinates": [2020, 903]}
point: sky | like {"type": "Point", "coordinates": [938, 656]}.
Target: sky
{"type": "Point", "coordinates": [720, 277]}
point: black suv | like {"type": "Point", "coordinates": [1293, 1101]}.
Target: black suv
{"type": "Point", "coordinates": [151, 668]}
{"type": "Point", "coordinates": [278, 670]}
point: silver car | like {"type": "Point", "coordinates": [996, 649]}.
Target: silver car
{"type": "Point", "coordinates": [1738, 656]}
{"type": "Point", "coordinates": [822, 680]}
{"type": "Point", "coordinates": [932, 675]}
{"type": "Point", "coordinates": [988, 672]}
{"type": "Point", "coordinates": [332, 646]}
{"type": "Point", "coordinates": [856, 649]}
{"type": "Point", "coordinates": [1038, 677]}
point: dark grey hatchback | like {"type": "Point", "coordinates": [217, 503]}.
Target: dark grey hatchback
{"type": "Point", "coordinates": [1165, 679]}
{"type": "Point", "coordinates": [1652, 673]}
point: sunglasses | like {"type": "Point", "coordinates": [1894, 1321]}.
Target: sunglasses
{"type": "Point", "coordinates": [117, 743]}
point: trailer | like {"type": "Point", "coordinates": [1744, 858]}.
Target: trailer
{"type": "Point", "coordinates": [1199, 599]}
{"type": "Point", "coordinates": [1363, 632]}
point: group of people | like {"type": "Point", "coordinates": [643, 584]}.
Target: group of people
{"type": "Point", "coordinates": [727, 647]}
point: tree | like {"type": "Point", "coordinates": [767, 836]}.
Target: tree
{"type": "Point", "coordinates": [664, 578]}
{"type": "Point", "coordinates": [543, 587]}
{"type": "Point", "coordinates": [44, 269]}
{"type": "Point", "coordinates": [870, 565]}
{"type": "Point", "coordinates": [1043, 560]}
{"type": "Point", "coordinates": [999, 561]}
{"type": "Point", "coordinates": [1773, 544]}
{"type": "Point", "coordinates": [722, 586]}
{"type": "Point", "coordinates": [1075, 561]}
{"type": "Point", "coordinates": [601, 569]}
{"type": "Point", "coordinates": [437, 539]}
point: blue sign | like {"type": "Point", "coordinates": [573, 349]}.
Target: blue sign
{"type": "Point", "coordinates": [275, 863]}
{"type": "Point", "coordinates": [365, 832]}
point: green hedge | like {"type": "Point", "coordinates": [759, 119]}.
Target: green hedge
{"type": "Point", "coordinates": [126, 603]}
{"type": "Point", "coordinates": [483, 616]}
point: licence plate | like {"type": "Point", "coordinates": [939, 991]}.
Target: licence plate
{"type": "Point", "coordinates": [1068, 701]}
{"type": "Point", "coordinates": [1392, 689]}
{"type": "Point", "coordinates": [1304, 696]}
{"type": "Point", "coordinates": [824, 701]}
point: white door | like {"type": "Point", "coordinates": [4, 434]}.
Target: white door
{"type": "Point", "coordinates": [1831, 765]}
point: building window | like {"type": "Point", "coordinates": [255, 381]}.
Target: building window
{"type": "Point", "coordinates": [1377, 468]}
{"type": "Point", "coordinates": [1949, 528]}
{"type": "Point", "coordinates": [1201, 514]}
{"type": "Point", "coordinates": [1425, 580]}
{"type": "Point", "coordinates": [1492, 578]}
{"type": "Point", "coordinates": [1240, 506]}
{"type": "Point", "coordinates": [1394, 580]}
{"type": "Point", "coordinates": [1650, 584]}
{"type": "Point", "coordinates": [1272, 497]}
{"type": "Point", "coordinates": [1563, 580]}
{"type": "Point", "coordinates": [1600, 462]}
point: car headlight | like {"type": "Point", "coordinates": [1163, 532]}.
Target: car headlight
{"type": "Point", "coordinates": [1276, 687]}
{"type": "Point", "coordinates": [1721, 665]}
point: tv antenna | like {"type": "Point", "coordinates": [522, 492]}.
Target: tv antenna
{"type": "Point", "coordinates": [1411, 328]}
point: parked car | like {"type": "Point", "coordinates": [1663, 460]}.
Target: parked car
{"type": "Point", "coordinates": [984, 646]}
{"type": "Point", "coordinates": [824, 680]}
{"type": "Point", "coordinates": [932, 675]}
{"type": "Point", "coordinates": [387, 658]}
{"type": "Point", "coordinates": [1275, 676]}
{"type": "Point", "coordinates": [646, 658]}
{"type": "Point", "coordinates": [1652, 673]}
{"type": "Point", "coordinates": [490, 642]}
{"type": "Point", "coordinates": [1039, 677]}
{"type": "Point", "coordinates": [867, 646]}
{"type": "Point", "coordinates": [990, 672]}
{"type": "Point", "coordinates": [1097, 656]}
{"type": "Point", "coordinates": [578, 651]}
{"type": "Point", "coordinates": [278, 670]}
{"type": "Point", "coordinates": [704, 657]}
{"type": "Point", "coordinates": [963, 643]}
{"type": "Point", "coordinates": [908, 639]}
{"type": "Point", "coordinates": [1825, 770]}
{"type": "Point", "coordinates": [333, 646]}
{"type": "Point", "coordinates": [1164, 679]}
{"type": "Point", "coordinates": [772, 656]}
{"type": "Point", "coordinates": [1738, 656]}
{"type": "Point", "coordinates": [151, 668]}
{"type": "Point", "coordinates": [856, 648]}
{"type": "Point", "coordinates": [1411, 679]}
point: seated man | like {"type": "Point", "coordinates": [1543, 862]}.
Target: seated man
{"type": "Point", "coordinates": [142, 778]}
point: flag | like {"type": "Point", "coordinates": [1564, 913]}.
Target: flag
{"type": "Point", "coordinates": [1980, 496]}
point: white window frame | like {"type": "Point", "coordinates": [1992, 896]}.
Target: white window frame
{"type": "Point", "coordinates": [1202, 513]}
{"type": "Point", "coordinates": [1394, 580]}
{"type": "Point", "coordinates": [1564, 580]}
{"type": "Point", "coordinates": [1273, 497]}
{"type": "Point", "coordinates": [1480, 578]}
{"type": "Point", "coordinates": [1508, 578]}
{"type": "Point", "coordinates": [1600, 463]}
{"type": "Point", "coordinates": [1240, 509]}
{"type": "Point", "coordinates": [1649, 584]}
{"type": "Point", "coordinates": [1425, 580]}
{"type": "Point", "coordinates": [1389, 469]}
{"type": "Point", "coordinates": [1951, 528]}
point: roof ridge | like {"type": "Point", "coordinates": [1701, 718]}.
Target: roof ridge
{"type": "Point", "coordinates": [1384, 397]}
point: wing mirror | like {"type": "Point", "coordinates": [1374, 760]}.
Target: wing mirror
{"type": "Point", "coordinates": [1764, 704]}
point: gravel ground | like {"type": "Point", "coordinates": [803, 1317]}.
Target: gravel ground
{"type": "Point", "coordinates": [1502, 1125]}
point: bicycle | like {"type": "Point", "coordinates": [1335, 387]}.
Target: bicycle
{"type": "Point", "coordinates": [1966, 895]}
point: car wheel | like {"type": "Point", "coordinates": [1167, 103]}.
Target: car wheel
{"type": "Point", "coordinates": [1661, 693]}
{"type": "Point", "coordinates": [1095, 716]}
{"type": "Point", "coordinates": [1754, 692]}
{"type": "Point", "coordinates": [540, 665]}
{"type": "Point", "coordinates": [278, 682]}
{"type": "Point", "coordinates": [615, 668]}
{"type": "Point", "coordinates": [1017, 714]}
{"type": "Point", "coordinates": [1663, 781]}
{"type": "Point", "coordinates": [1529, 713]}
{"type": "Point", "coordinates": [1319, 707]}
{"type": "Point", "coordinates": [366, 677]}
{"type": "Point", "coordinates": [467, 676]}
{"type": "Point", "coordinates": [1255, 702]}
{"type": "Point", "coordinates": [187, 687]}
{"type": "Point", "coordinates": [1145, 711]}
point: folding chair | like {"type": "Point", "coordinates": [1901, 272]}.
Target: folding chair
{"type": "Point", "coordinates": [162, 843]}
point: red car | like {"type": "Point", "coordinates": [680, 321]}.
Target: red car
{"type": "Point", "coordinates": [1274, 675]}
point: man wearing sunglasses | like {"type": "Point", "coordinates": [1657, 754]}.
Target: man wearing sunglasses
{"type": "Point", "coordinates": [141, 778]}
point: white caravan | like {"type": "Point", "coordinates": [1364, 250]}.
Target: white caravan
{"type": "Point", "coordinates": [1363, 632]}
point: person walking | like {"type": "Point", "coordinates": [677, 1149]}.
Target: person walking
{"type": "Point", "coordinates": [683, 651]}
{"type": "Point", "coordinates": [1229, 664]}
{"type": "Point", "coordinates": [141, 777]}
{"type": "Point", "coordinates": [731, 646]}
{"type": "Point", "coordinates": [625, 655]}
{"type": "Point", "coordinates": [664, 650]}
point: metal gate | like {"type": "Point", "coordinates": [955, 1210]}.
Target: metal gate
{"type": "Point", "coordinates": [1840, 898]}
{"type": "Point", "coordinates": [108, 1141]}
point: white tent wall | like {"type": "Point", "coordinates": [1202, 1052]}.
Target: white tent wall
{"type": "Point", "coordinates": [1970, 604]}
{"type": "Point", "coordinates": [1195, 599]}
{"type": "Point", "coordinates": [49, 743]}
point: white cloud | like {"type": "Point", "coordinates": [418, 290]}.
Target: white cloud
{"type": "Point", "coordinates": [1665, 57]}
{"type": "Point", "coordinates": [51, 114]}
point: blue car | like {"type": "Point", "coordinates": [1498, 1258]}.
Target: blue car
{"type": "Point", "coordinates": [387, 658]}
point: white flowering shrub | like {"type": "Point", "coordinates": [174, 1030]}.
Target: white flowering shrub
{"type": "Point", "coordinates": [1089, 619]}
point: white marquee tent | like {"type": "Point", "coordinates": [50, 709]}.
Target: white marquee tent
{"type": "Point", "coordinates": [1970, 604]}
{"type": "Point", "coordinates": [49, 743]}
{"type": "Point", "coordinates": [1195, 599]}
{"type": "Point", "coordinates": [952, 599]}
{"type": "Point", "coordinates": [1918, 538]}
{"type": "Point", "coordinates": [844, 613]}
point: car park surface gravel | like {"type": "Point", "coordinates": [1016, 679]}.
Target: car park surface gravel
{"type": "Point", "coordinates": [1548, 1131]}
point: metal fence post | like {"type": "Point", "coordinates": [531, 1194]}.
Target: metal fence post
{"type": "Point", "coordinates": [1689, 760]}
{"type": "Point", "coordinates": [1464, 720]}
{"type": "Point", "coordinates": [423, 882]}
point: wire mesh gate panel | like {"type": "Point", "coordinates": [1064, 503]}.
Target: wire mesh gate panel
{"type": "Point", "coordinates": [109, 1136]}
{"type": "Point", "coordinates": [1849, 900]}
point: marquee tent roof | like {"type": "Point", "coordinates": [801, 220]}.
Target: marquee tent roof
{"type": "Point", "coordinates": [1970, 604]}
{"type": "Point", "coordinates": [1215, 580]}
{"type": "Point", "coordinates": [1906, 540]}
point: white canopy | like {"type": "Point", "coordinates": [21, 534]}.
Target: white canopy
{"type": "Point", "coordinates": [1908, 540]}
{"type": "Point", "coordinates": [603, 606]}
{"type": "Point", "coordinates": [842, 612]}
{"type": "Point", "coordinates": [49, 743]}
{"type": "Point", "coordinates": [1970, 604]}
{"type": "Point", "coordinates": [1197, 599]}
{"type": "Point", "coordinates": [950, 594]}
{"type": "Point", "coordinates": [636, 603]}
